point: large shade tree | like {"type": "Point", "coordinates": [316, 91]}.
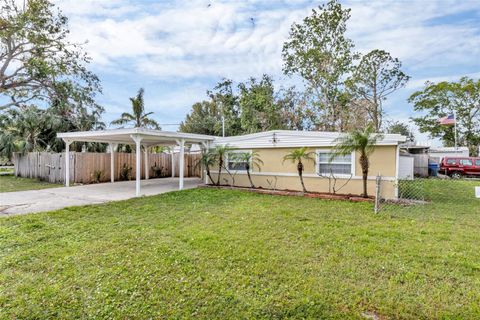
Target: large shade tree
{"type": "Point", "coordinates": [461, 98]}
{"type": "Point", "coordinates": [37, 61]}
{"type": "Point", "coordinates": [204, 118]}
{"type": "Point", "coordinates": [319, 51]}
{"type": "Point", "coordinates": [376, 77]}
{"type": "Point", "coordinates": [259, 110]}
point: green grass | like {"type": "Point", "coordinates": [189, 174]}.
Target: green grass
{"type": "Point", "coordinates": [219, 254]}
{"type": "Point", "coordinates": [11, 183]}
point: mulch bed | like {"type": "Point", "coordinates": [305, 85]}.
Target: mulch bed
{"type": "Point", "coordinates": [320, 195]}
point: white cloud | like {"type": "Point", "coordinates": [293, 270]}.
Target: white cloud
{"type": "Point", "coordinates": [184, 46]}
{"type": "Point", "coordinates": [191, 39]}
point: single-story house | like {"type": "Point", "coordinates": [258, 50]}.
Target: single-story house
{"type": "Point", "coordinates": [441, 152]}
{"type": "Point", "coordinates": [343, 173]}
{"type": "Point", "coordinates": [319, 176]}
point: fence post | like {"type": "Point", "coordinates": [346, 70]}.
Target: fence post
{"type": "Point", "coordinates": [378, 180]}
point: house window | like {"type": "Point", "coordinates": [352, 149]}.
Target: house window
{"type": "Point", "coordinates": [341, 165]}
{"type": "Point", "coordinates": [234, 161]}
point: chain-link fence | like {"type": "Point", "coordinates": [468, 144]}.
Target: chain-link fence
{"type": "Point", "coordinates": [423, 193]}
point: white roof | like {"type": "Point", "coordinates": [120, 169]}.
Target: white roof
{"type": "Point", "coordinates": [290, 138]}
{"type": "Point", "coordinates": [448, 149]}
{"type": "Point", "coordinates": [149, 137]}
{"type": "Point", "coordinates": [268, 139]}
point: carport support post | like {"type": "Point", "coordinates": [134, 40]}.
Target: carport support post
{"type": "Point", "coordinates": [173, 163]}
{"type": "Point", "coordinates": [67, 161]}
{"type": "Point", "coordinates": [206, 145]}
{"type": "Point", "coordinates": [138, 159]}
{"type": "Point", "coordinates": [146, 163]}
{"type": "Point", "coordinates": [181, 164]}
{"type": "Point", "coordinates": [113, 147]}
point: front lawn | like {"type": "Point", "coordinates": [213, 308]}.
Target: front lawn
{"type": "Point", "coordinates": [218, 254]}
{"type": "Point", "coordinates": [10, 183]}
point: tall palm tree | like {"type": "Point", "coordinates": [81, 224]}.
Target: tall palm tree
{"type": "Point", "coordinates": [362, 141]}
{"type": "Point", "coordinates": [138, 117]}
{"type": "Point", "coordinates": [250, 158]}
{"type": "Point", "coordinates": [207, 160]}
{"type": "Point", "coordinates": [296, 156]}
{"type": "Point", "coordinates": [219, 153]}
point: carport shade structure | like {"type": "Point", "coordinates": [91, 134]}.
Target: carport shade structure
{"type": "Point", "coordinates": [139, 137]}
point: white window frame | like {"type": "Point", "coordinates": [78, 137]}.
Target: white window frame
{"type": "Point", "coordinates": [352, 163]}
{"type": "Point", "coordinates": [227, 161]}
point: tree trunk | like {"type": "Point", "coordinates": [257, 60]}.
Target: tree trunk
{"type": "Point", "coordinates": [208, 174]}
{"type": "Point", "coordinates": [220, 164]}
{"type": "Point", "coordinates": [249, 177]}
{"type": "Point", "coordinates": [364, 164]}
{"type": "Point", "coordinates": [300, 171]}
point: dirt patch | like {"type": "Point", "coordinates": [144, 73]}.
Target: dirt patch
{"type": "Point", "coordinates": [320, 195]}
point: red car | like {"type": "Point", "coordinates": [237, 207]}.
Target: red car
{"type": "Point", "coordinates": [456, 167]}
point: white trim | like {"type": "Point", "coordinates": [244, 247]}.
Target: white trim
{"type": "Point", "coordinates": [337, 175]}
{"type": "Point", "coordinates": [306, 175]}
{"type": "Point", "coordinates": [181, 164]}
{"type": "Point", "coordinates": [287, 139]}
{"type": "Point", "coordinates": [138, 153]}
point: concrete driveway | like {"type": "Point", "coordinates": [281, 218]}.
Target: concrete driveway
{"type": "Point", "coordinates": [21, 202]}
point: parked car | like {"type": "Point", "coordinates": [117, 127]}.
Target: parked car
{"type": "Point", "coordinates": [457, 167]}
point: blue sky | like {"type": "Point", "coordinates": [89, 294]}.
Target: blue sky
{"type": "Point", "coordinates": [177, 50]}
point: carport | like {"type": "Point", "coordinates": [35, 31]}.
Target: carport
{"type": "Point", "coordinates": [138, 137]}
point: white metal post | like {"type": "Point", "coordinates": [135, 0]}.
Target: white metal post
{"type": "Point", "coordinates": [67, 161]}
{"type": "Point", "coordinates": [181, 164]}
{"type": "Point", "coordinates": [146, 163]}
{"type": "Point", "coordinates": [138, 159]}
{"type": "Point", "coordinates": [112, 147]}
{"type": "Point", "coordinates": [173, 163]}
{"type": "Point", "coordinates": [206, 146]}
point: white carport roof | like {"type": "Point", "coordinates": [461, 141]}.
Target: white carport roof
{"type": "Point", "coordinates": [149, 137]}
{"type": "Point", "coordinates": [139, 137]}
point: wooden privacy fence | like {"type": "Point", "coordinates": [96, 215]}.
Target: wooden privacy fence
{"type": "Point", "coordinates": [84, 166]}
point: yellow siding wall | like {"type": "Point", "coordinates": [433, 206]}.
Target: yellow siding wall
{"type": "Point", "coordinates": [382, 161]}
{"type": "Point", "coordinates": [314, 184]}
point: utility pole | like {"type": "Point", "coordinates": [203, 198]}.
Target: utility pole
{"type": "Point", "coordinates": [223, 126]}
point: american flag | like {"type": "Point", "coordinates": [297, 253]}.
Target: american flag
{"type": "Point", "coordinates": [447, 120]}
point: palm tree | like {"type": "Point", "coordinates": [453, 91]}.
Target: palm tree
{"type": "Point", "coordinates": [297, 156]}
{"type": "Point", "coordinates": [219, 153]}
{"type": "Point", "coordinates": [207, 160]}
{"type": "Point", "coordinates": [22, 130]}
{"type": "Point", "coordinates": [139, 118]}
{"type": "Point", "coordinates": [362, 141]}
{"type": "Point", "coordinates": [250, 158]}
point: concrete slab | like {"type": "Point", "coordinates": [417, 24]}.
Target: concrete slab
{"type": "Point", "coordinates": [21, 202]}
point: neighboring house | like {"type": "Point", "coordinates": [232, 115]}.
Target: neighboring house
{"type": "Point", "coordinates": [441, 152]}
{"type": "Point", "coordinates": [272, 146]}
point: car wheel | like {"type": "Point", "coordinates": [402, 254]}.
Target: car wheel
{"type": "Point", "coordinates": [457, 175]}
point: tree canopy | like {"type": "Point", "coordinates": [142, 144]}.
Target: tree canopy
{"type": "Point", "coordinates": [461, 98]}
{"type": "Point", "coordinates": [249, 107]}
{"type": "Point", "coordinates": [139, 117]}
{"type": "Point", "coordinates": [376, 76]}
{"type": "Point", "coordinates": [319, 51]}
{"type": "Point", "coordinates": [38, 62]}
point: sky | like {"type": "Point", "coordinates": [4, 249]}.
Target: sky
{"type": "Point", "coordinates": [177, 50]}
